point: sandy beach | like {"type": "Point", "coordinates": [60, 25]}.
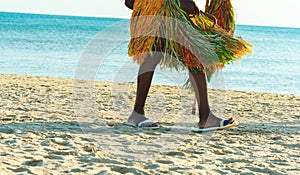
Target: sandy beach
{"type": "Point", "coordinates": [41, 132]}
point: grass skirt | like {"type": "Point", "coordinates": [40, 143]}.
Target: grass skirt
{"type": "Point", "coordinates": [193, 42]}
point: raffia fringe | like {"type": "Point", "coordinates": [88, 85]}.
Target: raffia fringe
{"type": "Point", "coordinates": [201, 46]}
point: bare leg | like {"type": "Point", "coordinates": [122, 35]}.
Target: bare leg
{"type": "Point", "coordinates": [144, 80]}
{"type": "Point", "coordinates": [143, 86]}
{"type": "Point", "coordinates": [194, 105]}
{"type": "Point", "coordinates": [199, 83]}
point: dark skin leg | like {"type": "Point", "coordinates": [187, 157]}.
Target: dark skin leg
{"type": "Point", "coordinates": [144, 80]}
{"type": "Point", "coordinates": [144, 83]}
{"type": "Point", "coordinates": [206, 118]}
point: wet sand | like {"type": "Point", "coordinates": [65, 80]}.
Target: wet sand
{"type": "Point", "coordinates": [47, 127]}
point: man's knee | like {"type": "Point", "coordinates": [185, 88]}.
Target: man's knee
{"type": "Point", "coordinates": [150, 62]}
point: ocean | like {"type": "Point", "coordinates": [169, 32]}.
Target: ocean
{"type": "Point", "coordinates": [55, 46]}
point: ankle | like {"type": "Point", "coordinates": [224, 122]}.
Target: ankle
{"type": "Point", "coordinates": [136, 114]}
{"type": "Point", "coordinates": [139, 111]}
{"type": "Point", "coordinates": [203, 115]}
{"type": "Point", "coordinates": [136, 117]}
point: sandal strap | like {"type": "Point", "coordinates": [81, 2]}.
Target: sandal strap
{"type": "Point", "coordinates": [145, 122]}
{"type": "Point", "coordinates": [225, 122]}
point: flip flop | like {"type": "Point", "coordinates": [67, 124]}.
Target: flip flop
{"type": "Point", "coordinates": [224, 124]}
{"type": "Point", "coordinates": [144, 124]}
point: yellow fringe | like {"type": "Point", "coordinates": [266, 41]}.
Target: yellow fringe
{"type": "Point", "coordinates": [143, 25]}
{"type": "Point", "coordinates": [144, 29]}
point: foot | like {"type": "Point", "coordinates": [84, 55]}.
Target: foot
{"type": "Point", "coordinates": [139, 120]}
{"type": "Point", "coordinates": [212, 121]}
{"type": "Point", "coordinates": [136, 117]}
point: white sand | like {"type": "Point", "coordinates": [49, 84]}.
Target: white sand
{"type": "Point", "coordinates": [40, 134]}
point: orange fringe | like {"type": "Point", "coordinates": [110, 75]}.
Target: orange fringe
{"type": "Point", "coordinates": [143, 26]}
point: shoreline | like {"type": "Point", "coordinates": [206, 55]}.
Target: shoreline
{"type": "Point", "coordinates": [42, 133]}
{"type": "Point", "coordinates": [153, 84]}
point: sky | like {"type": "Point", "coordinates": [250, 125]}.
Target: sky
{"type": "Point", "coordinates": [284, 13]}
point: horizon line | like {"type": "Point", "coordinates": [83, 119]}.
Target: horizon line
{"type": "Point", "coordinates": [112, 17]}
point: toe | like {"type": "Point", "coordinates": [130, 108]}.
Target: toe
{"type": "Point", "coordinates": [230, 121]}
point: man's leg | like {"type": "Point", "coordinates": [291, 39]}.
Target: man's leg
{"type": "Point", "coordinates": [199, 83]}
{"type": "Point", "coordinates": [144, 80]}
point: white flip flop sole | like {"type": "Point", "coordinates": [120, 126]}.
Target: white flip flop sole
{"type": "Point", "coordinates": [140, 125]}
{"type": "Point", "coordinates": [221, 127]}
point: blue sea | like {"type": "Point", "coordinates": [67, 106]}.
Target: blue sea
{"type": "Point", "coordinates": [55, 46]}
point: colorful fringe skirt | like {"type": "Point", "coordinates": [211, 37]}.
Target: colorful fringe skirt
{"type": "Point", "coordinates": [193, 42]}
